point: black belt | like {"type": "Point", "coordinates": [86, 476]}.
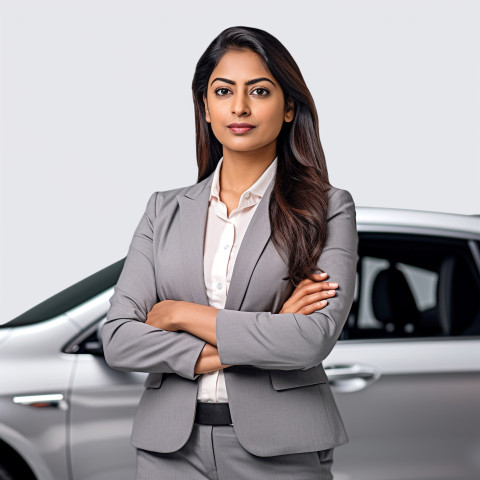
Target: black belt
{"type": "Point", "coordinates": [214, 413]}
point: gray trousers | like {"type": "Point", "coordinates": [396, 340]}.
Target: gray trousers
{"type": "Point", "coordinates": [214, 453]}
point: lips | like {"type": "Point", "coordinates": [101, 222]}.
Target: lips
{"type": "Point", "coordinates": [240, 127]}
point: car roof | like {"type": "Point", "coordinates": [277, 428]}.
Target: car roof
{"type": "Point", "coordinates": [417, 221]}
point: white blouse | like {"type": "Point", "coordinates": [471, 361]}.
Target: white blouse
{"type": "Point", "coordinates": [223, 237]}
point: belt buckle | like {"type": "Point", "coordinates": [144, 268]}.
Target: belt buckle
{"type": "Point", "coordinates": [213, 413]}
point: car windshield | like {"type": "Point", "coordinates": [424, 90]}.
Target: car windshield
{"type": "Point", "coordinates": [70, 297]}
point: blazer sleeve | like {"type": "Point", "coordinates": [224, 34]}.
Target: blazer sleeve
{"type": "Point", "coordinates": [289, 341]}
{"type": "Point", "coordinates": [129, 343]}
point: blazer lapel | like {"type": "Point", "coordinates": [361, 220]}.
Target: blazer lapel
{"type": "Point", "coordinates": [193, 219]}
{"type": "Point", "coordinates": [256, 237]}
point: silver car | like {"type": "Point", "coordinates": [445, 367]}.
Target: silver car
{"type": "Point", "coordinates": [405, 372]}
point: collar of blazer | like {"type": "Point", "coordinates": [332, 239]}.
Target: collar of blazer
{"type": "Point", "coordinates": [193, 217]}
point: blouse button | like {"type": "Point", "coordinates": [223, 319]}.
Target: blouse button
{"type": "Point", "coordinates": [219, 286]}
{"type": "Point", "coordinates": [247, 195]}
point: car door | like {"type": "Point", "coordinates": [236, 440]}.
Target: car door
{"type": "Point", "coordinates": [406, 371]}
{"type": "Point", "coordinates": [102, 405]}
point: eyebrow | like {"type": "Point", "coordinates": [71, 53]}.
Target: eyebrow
{"type": "Point", "coordinates": [250, 82]}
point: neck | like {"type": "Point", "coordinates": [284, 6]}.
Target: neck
{"type": "Point", "coordinates": [240, 170]}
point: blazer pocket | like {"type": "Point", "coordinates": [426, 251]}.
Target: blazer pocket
{"type": "Point", "coordinates": [154, 380]}
{"type": "Point", "coordinates": [283, 379]}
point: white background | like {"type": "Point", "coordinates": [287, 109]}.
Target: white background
{"type": "Point", "coordinates": [96, 114]}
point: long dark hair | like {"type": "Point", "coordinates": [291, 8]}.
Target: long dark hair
{"type": "Point", "coordinates": [298, 203]}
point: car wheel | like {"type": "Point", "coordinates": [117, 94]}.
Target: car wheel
{"type": "Point", "coordinates": [4, 475]}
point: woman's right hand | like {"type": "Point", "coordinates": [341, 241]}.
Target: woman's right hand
{"type": "Point", "coordinates": [310, 295]}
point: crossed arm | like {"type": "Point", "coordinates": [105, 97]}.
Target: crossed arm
{"type": "Point", "coordinates": [173, 315]}
{"type": "Point", "coordinates": [289, 340]}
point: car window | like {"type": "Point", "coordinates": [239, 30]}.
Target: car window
{"type": "Point", "coordinates": [411, 286]}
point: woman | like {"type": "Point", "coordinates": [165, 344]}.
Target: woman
{"type": "Point", "coordinates": [236, 387]}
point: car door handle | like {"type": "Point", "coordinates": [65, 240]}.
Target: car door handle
{"type": "Point", "coordinates": [53, 400]}
{"type": "Point", "coordinates": [351, 377]}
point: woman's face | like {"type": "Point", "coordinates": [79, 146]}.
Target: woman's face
{"type": "Point", "coordinates": [242, 90]}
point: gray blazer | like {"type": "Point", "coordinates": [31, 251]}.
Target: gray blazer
{"type": "Point", "coordinates": [279, 396]}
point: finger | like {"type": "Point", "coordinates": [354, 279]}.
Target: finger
{"type": "Point", "coordinates": [313, 288]}
{"type": "Point", "coordinates": [305, 281]}
{"type": "Point", "coordinates": [298, 288]}
{"type": "Point", "coordinates": [305, 290]}
{"type": "Point", "coordinates": [319, 275]}
{"type": "Point", "coordinates": [313, 298]}
{"type": "Point", "coordinates": [314, 302]}
{"type": "Point", "coordinates": [314, 277]}
{"type": "Point", "coordinates": [307, 286]}
{"type": "Point", "coordinates": [307, 310]}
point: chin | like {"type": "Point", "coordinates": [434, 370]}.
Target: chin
{"type": "Point", "coordinates": [240, 148]}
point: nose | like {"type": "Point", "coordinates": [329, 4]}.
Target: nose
{"type": "Point", "coordinates": [240, 105]}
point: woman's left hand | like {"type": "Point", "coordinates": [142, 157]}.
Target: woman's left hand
{"type": "Point", "coordinates": [163, 315]}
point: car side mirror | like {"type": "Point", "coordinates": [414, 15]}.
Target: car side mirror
{"type": "Point", "coordinates": [89, 341]}
{"type": "Point", "coordinates": [94, 345]}
{"type": "Point", "coordinates": [93, 348]}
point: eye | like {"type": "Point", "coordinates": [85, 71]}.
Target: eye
{"type": "Point", "coordinates": [219, 90]}
{"type": "Point", "coordinates": [262, 89]}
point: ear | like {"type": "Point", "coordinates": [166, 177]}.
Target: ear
{"type": "Point", "coordinates": [207, 114]}
{"type": "Point", "coordinates": [289, 110]}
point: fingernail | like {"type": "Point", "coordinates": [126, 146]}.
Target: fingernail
{"type": "Point", "coordinates": [334, 284]}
